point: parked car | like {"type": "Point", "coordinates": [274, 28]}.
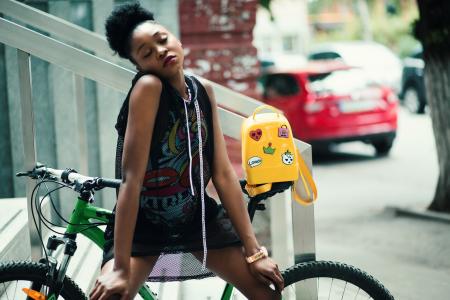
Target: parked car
{"type": "Point", "coordinates": [413, 93]}
{"type": "Point", "coordinates": [381, 64]}
{"type": "Point", "coordinates": [329, 102]}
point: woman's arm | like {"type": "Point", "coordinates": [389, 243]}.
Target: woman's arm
{"type": "Point", "coordinates": [227, 184]}
{"type": "Point", "coordinates": [143, 107]}
{"type": "Point", "coordinates": [230, 194]}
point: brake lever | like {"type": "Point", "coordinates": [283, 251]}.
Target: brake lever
{"type": "Point", "coordinates": [21, 174]}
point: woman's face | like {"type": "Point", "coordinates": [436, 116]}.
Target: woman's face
{"type": "Point", "coordinates": [156, 50]}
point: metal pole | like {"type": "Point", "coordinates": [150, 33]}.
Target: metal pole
{"type": "Point", "coordinates": [78, 82]}
{"type": "Point", "coordinates": [29, 146]}
{"type": "Point", "coordinates": [304, 231]}
{"type": "Point", "coordinates": [281, 234]}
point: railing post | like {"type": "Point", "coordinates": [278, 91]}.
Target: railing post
{"type": "Point", "coordinates": [304, 231]}
{"type": "Point", "coordinates": [29, 146]}
{"type": "Point", "coordinates": [78, 83]}
{"type": "Point", "coordinates": [281, 234]}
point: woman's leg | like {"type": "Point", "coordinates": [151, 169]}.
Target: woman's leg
{"type": "Point", "coordinates": [140, 268]}
{"type": "Point", "coordinates": [230, 265]}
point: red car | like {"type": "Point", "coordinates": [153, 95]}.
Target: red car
{"type": "Point", "coordinates": [329, 102]}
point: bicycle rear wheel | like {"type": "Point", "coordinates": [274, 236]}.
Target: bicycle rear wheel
{"type": "Point", "coordinates": [27, 274]}
{"type": "Point", "coordinates": [334, 280]}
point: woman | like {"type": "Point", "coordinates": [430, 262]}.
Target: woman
{"type": "Point", "coordinates": [170, 145]}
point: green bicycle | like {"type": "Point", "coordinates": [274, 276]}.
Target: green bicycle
{"type": "Point", "coordinates": [47, 280]}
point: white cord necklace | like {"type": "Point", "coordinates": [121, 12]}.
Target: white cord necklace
{"type": "Point", "coordinates": [188, 99]}
{"type": "Point", "coordinates": [200, 152]}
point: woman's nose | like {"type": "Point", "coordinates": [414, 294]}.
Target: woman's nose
{"type": "Point", "coordinates": [162, 52]}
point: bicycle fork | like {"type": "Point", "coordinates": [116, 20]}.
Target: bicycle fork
{"type": "Point", "coordinates": [55, 277]}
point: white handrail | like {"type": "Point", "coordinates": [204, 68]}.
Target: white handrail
{"type": "Point", "coordinates": [117, 77]}
{"type": "Point", "coordinates": [60, 28]}
{"type": "Point", "coordinates": [95, 42]}
{"type": "Point", "coordinates": [56, 52]}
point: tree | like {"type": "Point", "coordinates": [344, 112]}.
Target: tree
{"type": "Point", "coordinates": [432, 29]}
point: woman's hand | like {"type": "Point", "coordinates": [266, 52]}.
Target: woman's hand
{"type": "Point", "coordinates": [266, 271]}
{"type": "Point", "coordinates": [110, 284]}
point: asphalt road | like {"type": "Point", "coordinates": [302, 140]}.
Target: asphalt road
{"type": "Point", "coordinates": [410, 256]}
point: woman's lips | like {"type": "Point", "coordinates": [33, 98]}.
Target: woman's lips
{"type": "Point", "coordinates": [169, 59]}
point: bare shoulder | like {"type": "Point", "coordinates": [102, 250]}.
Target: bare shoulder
{"type": "Point", "coordinates": [209, 90]}
{"type": "Point", "coordinates": [148, 86]}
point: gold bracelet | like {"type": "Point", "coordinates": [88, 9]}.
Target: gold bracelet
{"type": "Point", "coordinates": [262, 253]}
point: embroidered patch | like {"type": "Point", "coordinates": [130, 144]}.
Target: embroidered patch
{"type": "Point", "coordinates": [287, 158]}
{"type": "Point", "coordinates": [283, 131]}
{"type": "Point", "coordinates": [254, 161]}
{"type": "Point", "coordinates": [256, 134]}
{"type": "Point", "coordinates": [269, 149]}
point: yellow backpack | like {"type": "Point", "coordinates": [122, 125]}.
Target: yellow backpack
{"type": "Point", "coordinates": [269, 155]}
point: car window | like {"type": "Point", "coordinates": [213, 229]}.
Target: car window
{"type": "Point", "coordinates": [340, 82]}
{"type": "Point", "coordinates": [279, 85]}
{"type": "Point", "coordinates": [324, 55]}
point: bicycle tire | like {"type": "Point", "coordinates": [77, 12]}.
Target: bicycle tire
{"type": "Point", "coordinates": [34, 272]}
{"type": "Point", "coordinates": [338, 271]}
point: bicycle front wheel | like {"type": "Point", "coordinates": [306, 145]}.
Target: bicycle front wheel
{"type": "Point", "coordinates": [334, 280]}
{"type": "Point", "coordinates": [14, 276]}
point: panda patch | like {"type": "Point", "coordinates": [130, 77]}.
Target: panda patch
{"type": "Point", "coordinates": [287, 158]}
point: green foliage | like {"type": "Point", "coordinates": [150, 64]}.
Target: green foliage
{"type": "Point", "coordinates": [391, 25]}
{"type": "Point", "coordinates": [265, 4]}
{"type": "Point", "coordinates": [395, 31]}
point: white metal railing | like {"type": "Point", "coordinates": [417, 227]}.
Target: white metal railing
{"type": "Point", "coordinates": [97, 43]}
{"type": "Point", "coordinates": [67, 31]}
{"type": "Point", "coordinates": [289, 216]}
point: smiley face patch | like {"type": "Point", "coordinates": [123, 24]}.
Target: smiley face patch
{"type": "Point", "coordinates": [287, 158]}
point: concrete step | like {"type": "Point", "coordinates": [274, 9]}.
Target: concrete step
{"type": "Point", "coordinates": [14, 234]}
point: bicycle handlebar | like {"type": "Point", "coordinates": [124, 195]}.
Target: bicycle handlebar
{"type": "Point", "coordinates": [70, 176]}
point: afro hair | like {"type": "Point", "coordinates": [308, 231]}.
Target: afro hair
{"type": "Point", "coordinates": [121, 23]}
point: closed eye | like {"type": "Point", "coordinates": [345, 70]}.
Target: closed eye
{"type": "Point", "coordinates": [148, 54]}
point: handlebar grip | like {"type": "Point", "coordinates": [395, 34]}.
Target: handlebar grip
{"type": "Point", "coordinates": [112, 183]}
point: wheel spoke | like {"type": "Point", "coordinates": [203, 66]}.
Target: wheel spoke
{"type": "Point", "coordinates": [357, 293]}
{"type": "Point", "coordinates": [343, 292]}
{"type": "Point", "coordinates": [5, 290]}
{"type": "Point", "coordinates": [331, 286]}
{"type": "Point", "coordinates": [15, 289]}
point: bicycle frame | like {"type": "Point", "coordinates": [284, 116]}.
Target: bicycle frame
{"type": "Point", "coordinates": [84, 212]}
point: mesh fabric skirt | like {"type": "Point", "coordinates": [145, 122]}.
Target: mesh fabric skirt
{"type": "Point", "coordinates": [175, 261]}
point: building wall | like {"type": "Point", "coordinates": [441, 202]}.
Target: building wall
{"type": "Point", "coordinates": [285, 40]}
{"type": "Point", "coordinates": [217, 37]}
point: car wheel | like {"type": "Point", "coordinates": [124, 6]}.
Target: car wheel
{"type": "Point", "coordinates": [412, 101]}
{"type": "Point", "coordinates": [383, 146]}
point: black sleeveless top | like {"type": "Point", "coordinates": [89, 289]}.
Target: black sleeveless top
{"type": "Point", "coordinates": [166, 200]}
{"type": "Point", "coordinates": [169, 222]}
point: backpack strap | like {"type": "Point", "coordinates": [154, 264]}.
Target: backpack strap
{"type": "Point", "coordinates": [269, 107]}
{"type": "Point", "coordinates": [308, 183]}
{"type": "Point", "coordinates": [254, 190]}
